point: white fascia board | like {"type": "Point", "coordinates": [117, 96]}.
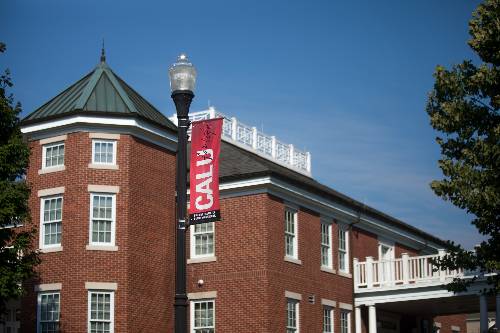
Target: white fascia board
{"type": "Point", "coordinates": [80, 123]}
{"type": "Point", "coordinates": [324, 207]}
{"type": "Point", "coordinates": [414, 292]}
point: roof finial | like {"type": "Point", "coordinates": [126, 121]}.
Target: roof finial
{"type": "Point", "coordinates": [103, 56]}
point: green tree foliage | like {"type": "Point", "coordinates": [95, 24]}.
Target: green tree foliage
{"type": "Point", "coordinates": [464, 109]}
{"type": "Point", "coordinates": [17, 258]}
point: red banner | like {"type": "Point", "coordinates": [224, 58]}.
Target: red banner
{"type": "Point", "coordinates": [204, 171]}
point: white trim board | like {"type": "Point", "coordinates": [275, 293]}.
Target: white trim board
{"type": "Point", "coordinates": [109, 125]}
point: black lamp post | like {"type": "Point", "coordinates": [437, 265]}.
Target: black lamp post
{"type": "Point", "coordinates": [182, 80]}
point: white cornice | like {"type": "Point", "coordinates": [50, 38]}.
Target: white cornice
{"type": "Point", "coordinates": [83, 123]}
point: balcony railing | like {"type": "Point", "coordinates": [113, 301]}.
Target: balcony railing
{"type": "Point", "coordinates": [250, 138]}
{"type": "Point", "coordinates": [406, 271]}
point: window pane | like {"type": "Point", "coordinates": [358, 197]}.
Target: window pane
{"type": "Point", "coordinates": [204, 239]}
{"type": "Point", "coordinates": [54, 155]}
{"type": "Point", "coordinates": [49, 312]}
{"type": "Point", "coordinates": [203, 316]}
{"type": "Point", "coordinates": [102, 219]}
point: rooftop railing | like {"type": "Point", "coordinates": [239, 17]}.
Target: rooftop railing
{"type": "Point", "coordinates": [250, 138]}
{"type": "Point", "coordinates": [406, 271]}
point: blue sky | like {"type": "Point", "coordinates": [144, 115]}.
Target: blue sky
{"type": "Point", "coordinates": [346, 80]}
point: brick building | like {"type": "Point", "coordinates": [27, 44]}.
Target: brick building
{"type": "Point", "coordinates": [288, 255]}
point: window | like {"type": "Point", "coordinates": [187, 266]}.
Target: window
{"type": "Point", "coordinates": [202, 240]}
{"type": "Point", "coordinates": [51, 220]}
{"type": "Point", "coordinates": [292, 316]}
{"type": "Point", "coordinates": [345, 324]}
{"type": "Point", "coordinates": [203, 316]}
{"type": "Point", "coordinates": [102, 221]}
{"type": "Point", "coordinates": [53, 155]}
{"type": "Point", "coordinates": [327, 319]}
{"type": "Point", "coordinates": [48, 312]}
{"type": "Point", "coordinates": [291, 233]}
{"type": "Point", "coordinates": [343, 250]}
{"type": "Point", "coordinates": [326, 245]}
{"type": "Point", "coordinates": [101, 311]}
{"type": "Point", "coordinates": [103, 152]}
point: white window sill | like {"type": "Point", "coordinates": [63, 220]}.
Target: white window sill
{"type": "Point", "coordinates": [51, 169]}
{"type": "Point", "coordinates": [51, 249]}
{"type": "Point", "coordinates": [200, 260]}
{"type": "Point", "coordinates": [293, 260]}
{"type": "Point", "coordinates": [345, 274]}
{"type": "Point", "coordinates": [101, 248]}
{"type": "Point", "coordinates": [104, 166]}
{"type": "Point", "coordinates": [328, 270]}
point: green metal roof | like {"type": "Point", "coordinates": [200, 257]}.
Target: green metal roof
{"type": "Point", "coordinates": [100, 92]}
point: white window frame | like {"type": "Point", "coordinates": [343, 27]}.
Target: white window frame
{"type": "Point", "coordinates": [114, 142]}
{"type": "Point", "coordinates": [331, 312]}
{"type": "Point", "coordinates": [113, 218]}
{"type": "Point", "coordinates": [348, 314]}
{"type": "Point", "coordinates": [192, 241]}
{"type": "Point", "coordinates": [42, 244]}
{"type": "Point", "coordinates": [344, 251]}
{"type": "Point", "coordinates": [39, 308]}
{"type": "Point", "coordinates": [328, 246]}
{"type": "Point", "coordinates": [192, 314]}
{"type": "Point", "coordinates": [44, 154]}
{"type": "Point", "coordinates": [295, 234]}
{"type": "Point", "coordinates": [296, 309]}
{"type": "Point", "coordinates": [111, 308]}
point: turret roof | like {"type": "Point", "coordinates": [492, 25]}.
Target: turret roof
{"type": "Point", "coordinates": [100, 92]}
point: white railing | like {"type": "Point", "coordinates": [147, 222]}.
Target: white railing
{"type": "Point", "coordinates": [395, 273]}
{"type": "Point", "coordinates": [254, 140]}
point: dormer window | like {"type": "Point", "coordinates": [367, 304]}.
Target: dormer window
{"type": "Point", "coordinates": [53, 155]}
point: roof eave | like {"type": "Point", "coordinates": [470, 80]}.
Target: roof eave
{"type": "Point", "coordinates": [26, 122]}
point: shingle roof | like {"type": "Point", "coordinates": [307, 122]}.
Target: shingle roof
{"type": "Point", "coordinates": [237, 163]}
{"type": "Point", "coordinates": [100, 92]}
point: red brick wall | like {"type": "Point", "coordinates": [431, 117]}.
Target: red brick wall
{"type": "Point", "coordinates": [151, 233]}
{"type": "Point", "coordinates": [251, 276]}
{"type": "Point", "coordinates": [451, 320]}
{"type": "Point", "coordinates": [75, 265]}
{"type": "Point", "coordinates": [364, 244]}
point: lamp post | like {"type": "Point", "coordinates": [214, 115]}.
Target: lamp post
{"type": "Point", "coordinates": [182, 80]}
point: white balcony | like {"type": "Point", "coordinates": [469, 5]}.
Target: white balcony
{"type": "Point", "coordinates": [249, 138]}
{"type": "Point", "coordinates": [405, 272]}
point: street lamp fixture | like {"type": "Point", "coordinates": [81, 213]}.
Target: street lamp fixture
{"type": "Point", "coordinates": [182, 81]}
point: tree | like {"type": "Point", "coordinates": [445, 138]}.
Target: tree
{"type": "Point", "coordinates": [464, 109]}
{"type": "Point", "coordinates": [17, 257]}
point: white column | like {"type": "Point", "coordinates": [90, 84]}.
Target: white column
{"type": "Point", "coordinates": [369, 272]}
{"type": "Point", "coordinates": [372, 319]}
{"type": "Point", "coordinates": [442, 273]}
{"type": "Point", "coordinates": [273, 146]}
{"type": "Point", "coordinates": [405, 263]}
{"type": "Point", "coordinates": [483, 314]}
{"type": "Point", "coordinates": [254, 137]}
{"type": "Point", "coordinates": [291, 154]}
{"type": "Point", "coordinates": [308, 158]}
{"type": "Point", "coordinates": [211, 112]}
{"type": "Point", "coordinates": [234, 126]}
{"type": "Point", "coordinates": [497, 315]}
{"type": "Point", "coordinates": [357, 318]}
{"type": "Point", "coordinates": [355, 271]}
